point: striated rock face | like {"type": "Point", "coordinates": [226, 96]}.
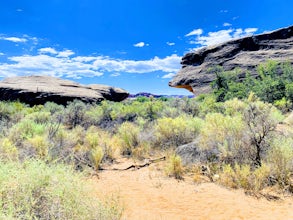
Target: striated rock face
{"type": "Point", "coordinates": [35, 90]}
{"type": "Point", "coordinates": [245, 53]}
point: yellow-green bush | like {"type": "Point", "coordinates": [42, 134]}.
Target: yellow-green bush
{"type": "Point", "coordinates": [225, 133]}
{"type": "Point", "coordinates": [280, 157]}
{"type": "Point", "coordinates": [283, 105]}
{"type": "Point", "coordinates": [129, 134]}
{"type": "Point", "coordinates": [35, 190]}
{"type": "Point", "coordinates": [40, 144]}
{"type": "Point", "coordinates": [234, 107]}
{"type": "Point", "coordinates": [228, 176]}
{"type": "Point", "coordinates": [40, 117]}
{"type": "Point", "coordinates": [208, 104]}
{"type": "Point", "coordinates": [8, 151]}
{"type": "Point", "coordinates": [97, 138]}
{"type": "Point", "coordinates": [24, 130]}
{"type": "Point", "coordinates": [243, 176]}
{"type": "Point", "coordinates": [173, 132]}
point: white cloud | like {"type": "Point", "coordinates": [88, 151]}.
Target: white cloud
{"type": "Point", "coordinates": [14, 39]}
{"type": "Point", "coordinates": [140, 44]}
{"type": "Point", "coordinates": [115, 74]}
{"type": "Point", "coordinates": [2, 54]}
{"type": "Point", "coordinates": [46, 65]}
{"type": "Point", "coordinates": [224, 11]}
{"type": "Point", "coordinates": [213, 38]}
{"type": "Point", "coordinates": [194, 32]}
{"type": "Point", "coordinates": [170, 43]}
{"type": "Point", "coordinates": [250, 30]}
{"type": "Point", "coordinates": [226, 24]}
{"type": "Point", "coordinates": [53, 64]}
{"type": "Point", "coordinates": [49, 50]}
{"type": "Point", "coordinates": [168, 76]}
{"type": "Point", "coordinates": [167, 64]}
{"type": "Point", "coordinates": [65, 53]}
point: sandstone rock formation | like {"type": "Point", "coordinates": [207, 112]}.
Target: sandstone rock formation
{"type": "Point", "coordinates": [41, 89]}
{"type": "Point", "coordinates": [245, 53]}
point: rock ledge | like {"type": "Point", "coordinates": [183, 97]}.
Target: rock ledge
{"type": "Point", "coordinates": [245, 54]}
{"type": "Point", "coordinates": [35, 90]}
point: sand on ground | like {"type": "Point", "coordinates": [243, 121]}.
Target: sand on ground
{"type": "Point", "coordinates": [147, 193]}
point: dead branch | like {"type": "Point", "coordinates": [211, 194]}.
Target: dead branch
{"type": "Point", "coordinates": [138, 166]}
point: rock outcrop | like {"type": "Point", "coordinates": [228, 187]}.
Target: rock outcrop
{"type": "Point", "coordinates": [35, 90]}
{"type": "Point", "coordinates": [245, 53]}
{"type": "Point", "coordinates": [191, 154]}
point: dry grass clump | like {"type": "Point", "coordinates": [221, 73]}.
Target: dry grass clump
{"type": "Point", "coordinates": [174, 167]}
{"type": "Point", "coordinates": [243, 176]}
{"type": "Point", "coordinates": [35, 190]}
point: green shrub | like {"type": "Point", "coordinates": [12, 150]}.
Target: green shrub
{"type": "Point", "coordinates": [208, 104]}
{"type": "Point", "coordinates": [26, 129]}
{"type": "Point", "coordinates": [283, 104]}
{"type": "Point", "coordinates": [280, 157]}
{"type": "Point", "coordinates": [234, 107]}
{"type": "Point", "coordinates": [34, 190]}
{"type": "Point", "coordinates": [129, 134]}
{"type": "Point", "coordinates": [226, 134]}
{"type": "Point", "coordinates": [173, 132]}
{"type": "Point", "coordinates": [289, 91]}
{"type": "Point", "coordinates": [75, 113]}
{"type": "Point", "coordinates": [53, 108]}
{"type": "Point", "coordinates": [40, 117]}
{"type": "Point", "coordinates": [273, 83]}
{"type": "Point", "coordinates": [261, 120]}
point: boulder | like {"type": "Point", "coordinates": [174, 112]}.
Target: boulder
{"type": "Point", "coordinates": [245, 54]}
{"type": "Point", "coordinates": [191, 154]}
{"type": "Point", "coordinates": [35, 90]}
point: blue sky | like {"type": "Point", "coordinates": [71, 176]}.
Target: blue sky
{"type": "Point", "coordinates": [133, 44]}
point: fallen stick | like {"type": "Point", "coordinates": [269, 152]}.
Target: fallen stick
{"type": "Point", "coordinates": [138, 166]}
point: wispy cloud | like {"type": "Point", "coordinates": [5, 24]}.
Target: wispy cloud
{"type": "Point", "coordinates": [49, 50]}
{"type": "Point", "coordinates": [194, 32]}
{"type": "Point", "coordinates": [167, 64]}
{"type": "Point", "coordinates": [14, 39]}
{"type": "Point", "coordinates": [140, 44]}
{"type": "Point", "coordinates": [168, 76]}
{"type": "Point", "coordinates": [115, 74]}
{"type": "Point", "coordinates": [2, 54]}
{"type": "Point", "coordinates": [65, 53]}
{"type": "Point", "coordinates": [213, 38]}
{"type": "Point", "coordinates": [226, 24]}
{"type": "Point", "coordinates": [224, 11]}
{"type": "Point", "coordinates": [53, 51]}
{"type": "Point", "coordinates": [170, 43]}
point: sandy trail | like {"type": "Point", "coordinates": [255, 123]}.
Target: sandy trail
{"type": "Point", "coordinates": [147, 194]}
